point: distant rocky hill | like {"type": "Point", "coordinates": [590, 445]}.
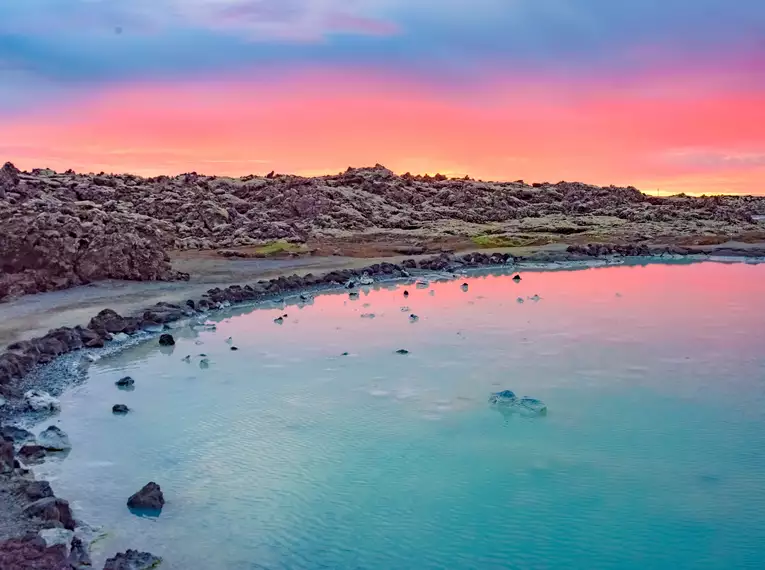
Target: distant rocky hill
{"type": "Point", "coordinates": [63, 229]}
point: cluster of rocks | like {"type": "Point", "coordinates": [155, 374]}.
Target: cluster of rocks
{"type": "Point", "coordinates": [53, 540]}
{"type": "Point", "coordinates": [65, 229]}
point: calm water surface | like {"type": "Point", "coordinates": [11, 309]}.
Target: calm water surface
{"type": "Point", "coordinates": [288, 455]}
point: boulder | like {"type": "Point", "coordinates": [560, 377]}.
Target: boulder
{"type": "Point", "coordinates": [40, 401]}
{"type": "Point", "coordinates": [6, 456]}
{"type": "Point", "coordinates": [37, 490]}
{"type": "Point", "coordinates": [149, 498]}
{"type": "Point", "coordinates": [125, 382]}
{"type": "Point", "coordinates": [79, 557]}
{"type": "Point", "coordinates": [31, 453]}
{"type": "Point", "coordinates": [166, 340]}
{"type": "Point", "coordinates": [31, 553]}
{"type": "Point", "coordinates": [51, 509]}
{"type": "Point", "coordinates": [503, 397]}
{"type": "Point", "coordinates": [132, 560]}
{"type": "Point", "coordinates": [16, 434]}
{"type": "Point", "coordinates": [54, 439]}
{"type": "Point", "coordinates": [55, 536]}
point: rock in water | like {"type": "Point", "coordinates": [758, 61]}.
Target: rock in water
{"type": "Point", "coordinates": [6, 456]}
{"type": "Point", "coordinates": [279, 320]}
{"type": "Point", "coordinates": [39, 401]}
{"type": "Point", "coordinates": [510, 403]}
{"type": "Point", "coordinates": [16, 434]}
{"type": "Point", "coordinates": [406, 293]}
{"type": "Point", "coordinates": [413, 318]}
{"type": "Point", "coordinates": [126, 382]}
{"type": "Point", "coordinates": [503, 397]}
{"type": "Point", "coordinates": [54, 439]}
{"type": "Point", "coordinates": [533, 406]}
{"type": "Point", "coordinates": [132, 560]}
{"type": "Point", "coordinates": [402, 351]}
{"type": "Point", "coordinates": [516, 278]}
{"type": "Point", "coordinates": [150, 498]}
{"type": "Point", "coordinates": [121, 409]}
{"type": "Point", "coordinates": [464, 286]}
{"type": "Point", "coordinates": [166, 340]}
{"type": "Point", "coordinates": [234, 348]}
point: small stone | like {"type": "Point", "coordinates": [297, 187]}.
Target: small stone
{"type": "Point", "coordinates": [204, 363]}
{"type": "Point", "coordinates": [125, 382]}
{"type": "Point", "coordinates": [279, 320]}
{"type": "Point", "coordinates": [516, 278]}
{"type": "Point", "coordinates": [186, 358]}
{"type": "Point", "coordinates": [344, 354]}
{"type": "Point", "coordinates": [120, 409]}
{"type": "Point", "coordinates": [234, 348]}
{"type": "Point", "coordinates": [519, 300]}
{"type": "Point", "coordinates": [464, 286]}
{"type": "Point", "coordinates": [166, 340]}
{"type": "Point", "coordinates": [406, 293]}
{"type": "Point", "coordinates": [402, 351]}
{"type": "Point", "coordinates": [413, 318]}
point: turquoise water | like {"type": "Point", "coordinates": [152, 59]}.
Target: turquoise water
{"type": "Point", "coordinates": [287, 454]}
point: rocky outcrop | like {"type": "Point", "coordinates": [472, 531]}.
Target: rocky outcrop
{"type": "Point", "coordinates": [32, 553]}
{"type": "Point", "coordinates": [63, 229]}
{"type": "Point", "coordinates": [132, 560]}
{"type": "Point", "coordinates": [16, 434]}
{"type": "Point", "coordinates": [37, 490]}
{"type": "Point", "coordinates": [150, 498]}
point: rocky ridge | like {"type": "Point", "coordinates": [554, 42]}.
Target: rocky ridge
{"type": "Point", "coordinates": [65, 229]}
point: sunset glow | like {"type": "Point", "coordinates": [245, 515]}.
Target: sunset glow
{"type": "Point", "coordinates": [335, 92]}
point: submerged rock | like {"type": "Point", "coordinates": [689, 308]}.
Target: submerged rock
{"type": "Point", "coordinates": [507, 401]}
{"type": "Point", "coordinates": [516, 278]}
{"type": "Point", "coordinates": [368, 315]}
{"type": "Point", "coordinates": [413, 318]}
{"type": "Point", "coordinates": [126, 382]}
{"type": "Point", "coordinates": [505, 396]}
{"type": "Point", "coordinates": [120, 409]}
{"type": "Point", "coordinates": [406, 293]}
{"type": "Point", "coordinates": [132, 560]}
{"type": "Point", "coordinates": [54, 439]}
{"type": "Point", "coordinates": [204, 363]}
{"type": "Point", "coordinates": [230, 340]}
{"type": "Point", "coordinates": [279, 320]}
{"type": "Point", "coordinates": [402, 351]}
{"type": "Point", "coordinates": [464, 286]}
{"type": "Point", "coordinates": [40, 401]}
{"type": "Point", "coordinates": [186, 358]}
{"type": "Point", "coordinates": [149, 498]}
{"type": "Point", "coordinates": [166, 340]}
{"type": "Point", "coordinates": [234, 348]}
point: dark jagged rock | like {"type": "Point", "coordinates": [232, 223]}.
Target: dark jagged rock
{"type": "Point", "coordinates": [31, 553]}
{"type": "Point", "coordinates": [52, 509]}
{"type": "Point", "coordinates": [166, 340]}
{"type": "Point", "coordinates": [79, 557]}
{"type": "Point", "coordinates": [120, 409]}
{"type": "Point", "coordinates": [132, 560]}
{"type": "Point", "coordinates": [37, 490]}
{"type": "Point", "coordinates": [149, 498]}
{"type": "Point", "coordinates": [125, 382]}
{"type": "Point", "coordinates": [30, 453]}
{"type": "Point", "coordinates": [516, 278]}
{"type": "Point", "coordinates": [16, 434]}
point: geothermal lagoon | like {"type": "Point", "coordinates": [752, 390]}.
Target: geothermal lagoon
{"type": "Point", "coordinates": [344, 433]}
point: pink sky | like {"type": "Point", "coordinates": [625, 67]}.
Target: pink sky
{"type": "Point", "coordinates": [653, 132]}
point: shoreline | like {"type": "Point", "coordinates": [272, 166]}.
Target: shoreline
{"type": "Point", "coordinates": [55, 373]}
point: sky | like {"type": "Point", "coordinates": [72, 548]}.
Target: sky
{"type": "Point", "coordinates": [665, 95]}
